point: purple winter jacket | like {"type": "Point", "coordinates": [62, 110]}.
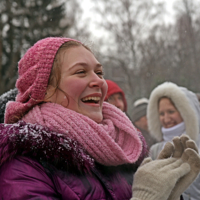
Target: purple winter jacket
{"type": "Point", "coordinates": [37, 163]}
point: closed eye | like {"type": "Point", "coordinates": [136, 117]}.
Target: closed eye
{"type": "Point", "coordinates": [81, 72]}
{"type": "Point", "coordinates": [161, 114]}
{"type": "Point", "coordinates": [100, 73]}
{"type": "Point", "coordinates": [171, 111]}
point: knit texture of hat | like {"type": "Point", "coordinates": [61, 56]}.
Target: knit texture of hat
{"type": "Point", "coordinates": [113, 88]}
{"type": "Point", "coordinates": [34, 71]}
{"type": "Point", "coordinates": [139, 109]}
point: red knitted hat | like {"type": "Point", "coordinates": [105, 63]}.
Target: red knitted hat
{"type": "Point", "coordinates": [114, 88]}
{"type": "Point", "coordinates": [34, 70]}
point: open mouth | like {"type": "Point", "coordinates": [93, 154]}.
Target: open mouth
{"type": "Point", "coordinates": [95, 100]}
{"type": "Point", "coordinates": [169, 125]}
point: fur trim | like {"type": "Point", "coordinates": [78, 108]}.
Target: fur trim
{"type": "Point", "coordinates": [44, 145]}
{"type": "Point", "coordinates": [184, 102]}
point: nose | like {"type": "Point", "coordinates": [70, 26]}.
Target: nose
{"type": "Point", "coordinates": [96, 81]}
{"type": "Point", "coordinates": [117, 103]}
{"type": "Point", "coordinates": [166, 118]}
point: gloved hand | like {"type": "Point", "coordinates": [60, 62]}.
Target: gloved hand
{"type": "Point", "coordinates": [154, 180]}
{"type": "Point", "coordinates": [190, 155]}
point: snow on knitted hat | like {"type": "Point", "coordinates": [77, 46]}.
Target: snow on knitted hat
{"type": "Point", "coordinates": [113, 88]}
{"type": "Point", "coordinates": [34, 70]}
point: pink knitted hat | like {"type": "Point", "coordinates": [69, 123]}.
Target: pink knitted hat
{"type": "Point", "coordinates": [34, 70]}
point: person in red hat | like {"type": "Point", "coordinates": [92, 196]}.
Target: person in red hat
{"type": "Point", "coordinates": [116, 96]}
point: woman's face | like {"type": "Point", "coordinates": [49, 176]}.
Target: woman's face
{"type": "Point", "coordinates": [82, 80]}
{"type": "Point", "coordinates": [117, 100]}
{"type": "Point", "coordinates": [169, 115]}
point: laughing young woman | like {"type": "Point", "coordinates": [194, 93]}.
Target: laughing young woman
{"type": "Point", "coordinates": [61, 141]}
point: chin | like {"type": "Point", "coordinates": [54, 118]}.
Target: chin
{"type": "Point", "coordinates": [96, 118]}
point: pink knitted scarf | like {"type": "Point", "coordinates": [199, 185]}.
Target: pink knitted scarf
{"type": "Point", "coordinates": [114, 141]}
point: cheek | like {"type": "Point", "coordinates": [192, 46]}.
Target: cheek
{"type": "Point", "coordinates": [72, 87]}
{"type": "Point", "coordinates": [122, 103]}
{"type": "Point", "coordinates": [104, 89]}
{"type": "Point", "coordinates": [161, 119]}
{"type": "Point", "coordinates": [179, 118]}
{"type": "Point", "coordinates": [137, 123]}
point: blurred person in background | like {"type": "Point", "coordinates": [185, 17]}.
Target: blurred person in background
{"type": "Point", "coordinates": [173, 111]}
{"type": "Point", "coordinates": [115, 96]}
{"type": "Point", "coordinates": [139, 119]}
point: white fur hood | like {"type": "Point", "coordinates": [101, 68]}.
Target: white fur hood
{"type": "Point", "coordinates": [185, 101]}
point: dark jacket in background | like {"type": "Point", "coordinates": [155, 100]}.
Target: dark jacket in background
{"type": "Point", "coordinates": [4, 98]}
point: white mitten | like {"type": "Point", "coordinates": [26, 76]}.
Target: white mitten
{"type": "Point", "coordinates": [155, 179]}
{"type": "Point", "coordinates": [186, 149]}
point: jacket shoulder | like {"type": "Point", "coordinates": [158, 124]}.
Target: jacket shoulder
{"type": "Point", "coordinates": [44, 145]}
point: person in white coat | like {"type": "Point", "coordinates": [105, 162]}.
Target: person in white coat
{"type": "Point", "coordinates": [173, 111]}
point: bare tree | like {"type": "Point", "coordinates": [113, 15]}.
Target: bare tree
{"type": "Point", "coordinates": [188, 43]}
{"type": "Point", "coordinates": [144, 51]}
{"type": "Point", "coordinates": [128, 23]}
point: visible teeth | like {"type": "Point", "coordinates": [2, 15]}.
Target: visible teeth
{"type": "Point", "coordinates": [91, 98]}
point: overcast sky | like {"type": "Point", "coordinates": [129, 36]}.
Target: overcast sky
{"type": "Point", "coordinates": [88, 12]}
